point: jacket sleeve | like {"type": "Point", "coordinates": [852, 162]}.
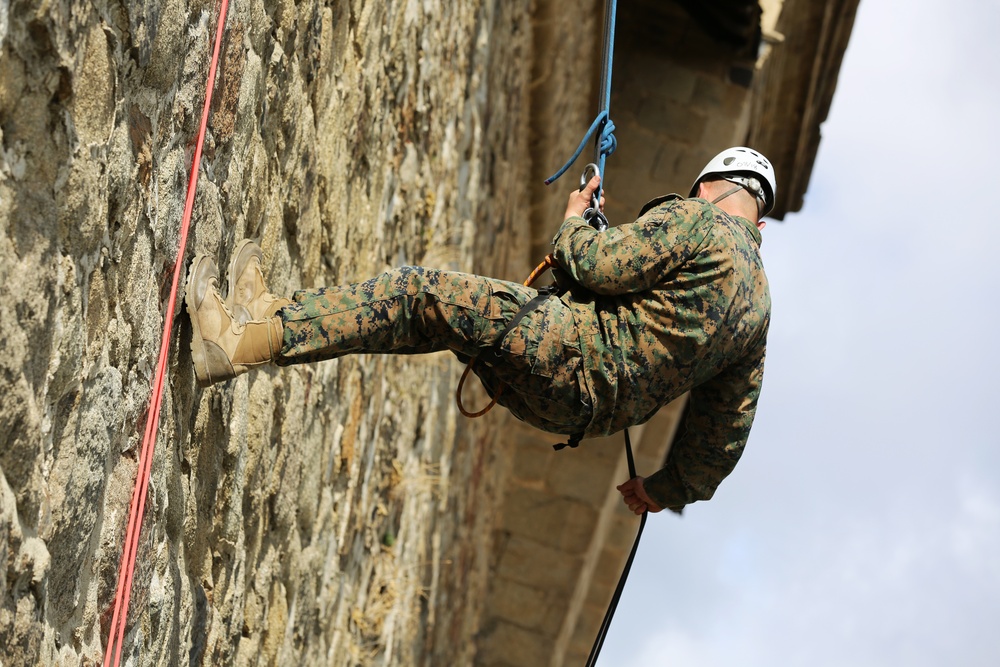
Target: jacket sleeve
{"type": "Point", "coordinates": [711, 436]}
{"type": "Point", "coordinates": [634, 257]}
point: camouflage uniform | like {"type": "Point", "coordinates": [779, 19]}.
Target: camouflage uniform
{"type": "Point", "coordinates": [675, 301]}
{"type": "Point", "coordinates": [414, 309]}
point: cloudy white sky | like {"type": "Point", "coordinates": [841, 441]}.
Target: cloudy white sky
{"type": "Point", "coordinates": [862, 527]}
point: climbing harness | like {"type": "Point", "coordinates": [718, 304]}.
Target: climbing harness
{"type": "Point", "coordinates": [543, 294]}
{"type": "Point", "coordinates": [491, 355]}
{"type": "Point", "coordinates": [126, 568]}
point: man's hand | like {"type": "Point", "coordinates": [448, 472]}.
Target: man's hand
{"type": "Point", "coordinates": [579, 200]}
{"type": "Point", "coordinates": [635, 496]}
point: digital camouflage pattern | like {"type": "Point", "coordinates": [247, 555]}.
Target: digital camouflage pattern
{"type": "Point", "coordinates": [675, 301]}
{"type": "Point", "coordinates": [412, 310]}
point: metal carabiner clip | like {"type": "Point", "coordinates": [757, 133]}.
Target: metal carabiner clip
{"type": "Point", "coordinates": [593, 215]}
{"type": "Point", "coordinates": [589, 172]}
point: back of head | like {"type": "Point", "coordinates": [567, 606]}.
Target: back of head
{"type": "Point", "coordinates": [744, 167]}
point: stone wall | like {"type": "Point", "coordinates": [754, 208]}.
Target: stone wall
{"type": "Point", "coordinates": [340, 513]}
{"type": "Point", "coordinates": [334, 514]}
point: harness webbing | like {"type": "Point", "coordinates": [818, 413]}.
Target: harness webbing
{"type": "Point", "coordinates": [546, 264]}
{"type": "Point", "coordinates": [126, 568]}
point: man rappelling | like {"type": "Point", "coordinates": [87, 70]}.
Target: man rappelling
{"type": "Point", "coordinates": [676, 301]}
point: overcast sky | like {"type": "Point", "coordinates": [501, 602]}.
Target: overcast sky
{"type": "Point", "coordinates": [862, 527]}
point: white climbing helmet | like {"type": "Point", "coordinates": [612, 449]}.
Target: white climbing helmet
{"type": "Point", "coordinates": [742, 161]}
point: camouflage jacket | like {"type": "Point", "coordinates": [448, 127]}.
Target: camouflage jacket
{"type": "Point", "coordinates": [675, 301]}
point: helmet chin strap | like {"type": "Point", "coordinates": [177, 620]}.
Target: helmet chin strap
{"type": "Point", "coordinates": [725, 194]}
{"type": "Point", "coordinates": [734, 190]}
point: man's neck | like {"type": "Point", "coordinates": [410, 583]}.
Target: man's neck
{"type": "Point", "coordinates": [736, 210]}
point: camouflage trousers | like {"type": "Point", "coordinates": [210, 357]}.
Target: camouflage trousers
{"type": "Point", "coordinates": [414, 310]}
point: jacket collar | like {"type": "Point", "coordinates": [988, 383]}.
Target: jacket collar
{"type": "Point", "coordinates": [652, 203]}
{"type": "Point", "coordinates": [751, 227]}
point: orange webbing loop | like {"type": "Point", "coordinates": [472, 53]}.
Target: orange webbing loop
{"type": "Point", "coordinates": [458, 394]}
{"type": "Point", "coordinates": [546, 264]}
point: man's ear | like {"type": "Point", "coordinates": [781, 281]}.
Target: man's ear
{"type": "Point", "coordinates": [761, 224]}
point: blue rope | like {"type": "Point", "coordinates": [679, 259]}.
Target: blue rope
{"type": "Point", "coordinates": [606, 142]}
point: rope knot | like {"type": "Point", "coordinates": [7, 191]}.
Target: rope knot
{"type": "Point", "coordinates": [607, 143]}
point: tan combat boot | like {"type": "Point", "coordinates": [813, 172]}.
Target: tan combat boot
{"type": "Point", "coordinates": [222, 347]}
{"type": "Point", "coordinates": [248, 298]}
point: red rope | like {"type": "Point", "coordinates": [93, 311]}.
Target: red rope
{"type": "Point", "coordinates": [116, 634]}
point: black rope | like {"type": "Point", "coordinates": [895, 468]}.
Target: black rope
{"type": "Point", "coordinates": [606, 623]}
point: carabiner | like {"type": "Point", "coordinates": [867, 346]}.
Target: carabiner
{"type": "Point", "coordinates": [589, 172]}
{"type": "Point", "coordinates": [594, 211]}
{"type": "Point", "coordinates": [593, 214]}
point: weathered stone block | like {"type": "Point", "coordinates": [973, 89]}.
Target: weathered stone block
{"type": "Point", "coordinates": [516, 645]}
{"type": "Point", "coordinates": [526, 606]}
{"type": "Point", "coordinates": [548, 519]}
{"type": "Point", "coordinates": [577, 478]}
{"type": "Point", "coordinates": [528, 562]}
